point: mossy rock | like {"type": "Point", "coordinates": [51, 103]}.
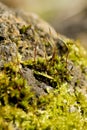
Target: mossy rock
{"type": "Point", "coordinates": [43, 75]}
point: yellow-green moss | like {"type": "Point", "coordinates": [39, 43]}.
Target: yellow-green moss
{"type": "Point", "coordinates": [60, 109]}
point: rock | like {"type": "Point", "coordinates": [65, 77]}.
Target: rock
{"type": "Point", "coordinates": [23, 37]}
{"type": "Point", "coordinates": [39, 71]}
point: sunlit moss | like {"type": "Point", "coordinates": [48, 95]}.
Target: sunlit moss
{"type": "Point", "coordinates": [60, 109]}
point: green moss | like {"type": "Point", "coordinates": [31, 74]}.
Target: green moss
{"type": "Point", "coordinates": [76, 53]}
{"type": "Point", "coordinates": [59, 110]}
{"type": "Point", "coordinates": [24, 29]}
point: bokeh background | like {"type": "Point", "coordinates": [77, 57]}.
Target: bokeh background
{"type": "Point", "coordinates": [68, 17]}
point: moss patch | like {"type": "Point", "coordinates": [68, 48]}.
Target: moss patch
{"type": "Point", "coordinates": [59, 109]}
{"type": "Point", "coordinates": [43, 76]}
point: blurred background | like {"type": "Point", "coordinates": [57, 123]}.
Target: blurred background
{"type": "Point", "coordinates": [68, 17]}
